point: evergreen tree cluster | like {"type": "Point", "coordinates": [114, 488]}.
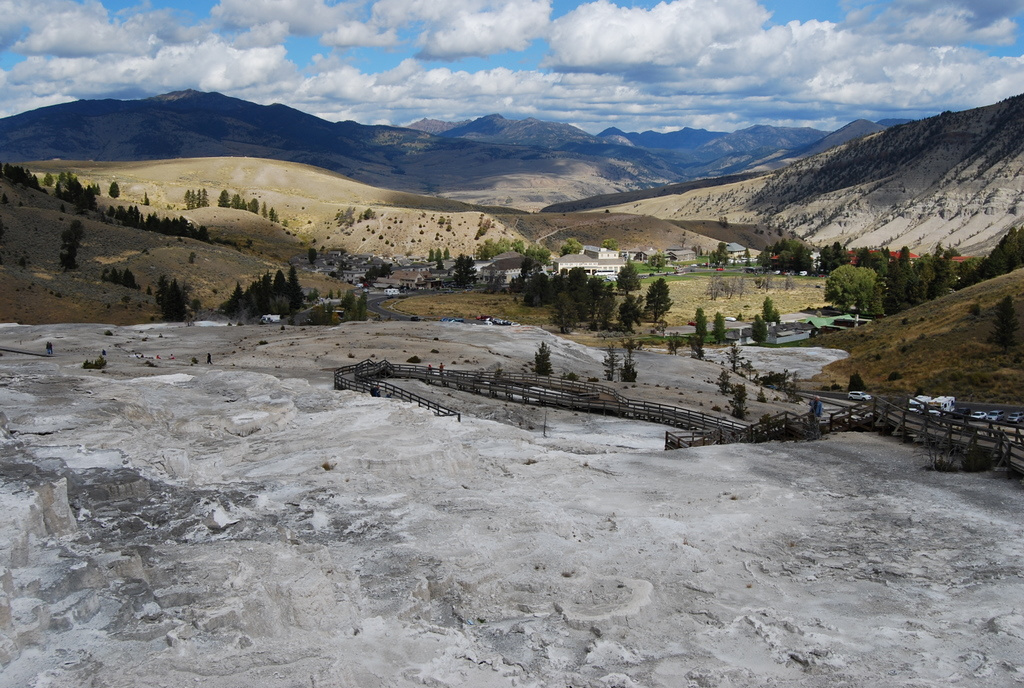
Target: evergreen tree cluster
{"type": "Point", "coordinates": [196, 199]}
{"type": "Point", "coordinates": [1007, 256]}
{"type": "Point", "coordinates": [236, 202]}
{"type": "Point", "coordinates": [71, 190]}
{"type": "Point", "coordinates": [179, 226]}
{"type": "Point", "coordinates": [790, 255]}
{"type": "Point", "coordinates": [437, 255]}
{"type": "Point", "coordinates": [20, 175]}
{"type": "Point", "coordinates": [123, 277]}
{"type": "Point", "coordinates": [277, 294]}
{"type": "Point", "coordinates": [575, 296]}
{"type": "Point", "coordinates": [172, 299]}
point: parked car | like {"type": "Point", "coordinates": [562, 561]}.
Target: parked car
{"type": "Point", "coordinates": [857, 395]}
{"type": "Point", "coordinates": [978, 415]}
{"type": "Point", "coordinates": [995, 415]}
{"type": "Point", "coordinates": [729, 318]}
{"type": "Point", "coordinates": [1015, 417]}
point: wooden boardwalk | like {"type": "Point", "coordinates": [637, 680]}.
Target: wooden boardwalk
{"type": "Point", "coordinates": [539, 390]}
{"type": "Point", "coordinates": [693, 428]}
{"type": "Point", "coordinates": [1005, 444]}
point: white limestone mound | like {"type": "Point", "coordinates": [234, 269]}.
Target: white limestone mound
{"type": "Point", "coordinates": [227, 527]}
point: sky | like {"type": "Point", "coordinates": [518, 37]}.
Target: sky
{"type": "Point", "coordinates": [722, 65]}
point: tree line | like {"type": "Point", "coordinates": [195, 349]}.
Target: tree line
{"type": "Point", "coordinates": [177, 226]}
{"type": "Point", "coordinates": [268, 294]}
{"type": "Point", "coordinates": [234, 201]}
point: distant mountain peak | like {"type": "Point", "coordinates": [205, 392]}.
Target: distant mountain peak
{"type": "Point", "coordinates": [187, 94]}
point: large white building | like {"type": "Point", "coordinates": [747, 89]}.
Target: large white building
{"type": "Point", "coordinates": [594, 259]}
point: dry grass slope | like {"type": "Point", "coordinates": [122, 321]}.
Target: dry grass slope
{"type": "Point", "coordinates": [938, 347]}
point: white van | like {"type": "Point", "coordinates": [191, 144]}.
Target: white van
{"type": "Point", "coordinates": [391, 291]}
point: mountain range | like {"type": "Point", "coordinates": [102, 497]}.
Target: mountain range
{"type": "Point", "coordinates": [491, 160]}
{"type": "Point", "coordinates": [952, 179]}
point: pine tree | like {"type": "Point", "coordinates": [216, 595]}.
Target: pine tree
{"type": "Point", "coordinates": [759, 330]}
{"type": "Point", "coordinates": [1006, 325]}
{"type": "Point", "coordinates": [628, 278]}
{"type": "Point", "coordinates": [71, 240]}
{"type": "Point", "coordinates": [542, 360]}
{"type": "Point", "coordinates": [295, 295]}
{"type": "Point", "coordinates": [611, 363]}
{"type": "Point", "coordinates": [718, 330]}
{"type": "Point", "coordinates": [769, 313]}
{"type": "Point", "coordinates": [658, 301]}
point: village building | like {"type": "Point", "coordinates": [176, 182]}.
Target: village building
{"type": "Point", "coordinates": [594, 260]}
{"type": "Point", "coordinates": [500, 271]}
{"type": "Point", "coordinates": [678, 254]}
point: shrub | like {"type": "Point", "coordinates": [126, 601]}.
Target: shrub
{"type": "Point", "coordinates": [413, 359]}
{"type": "Point", "coordinates": [108, 333]}
{"type": "Point", "coordinates": [895, 375]}
{"type": "Point", "coordinates": [976, 460]}
{"type": "Point", "coordinates": [98, 364]}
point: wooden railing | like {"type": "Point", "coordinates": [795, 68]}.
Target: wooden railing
{"type": "Point", "coordinates": [1005, 445]}
{"type": "Point", "coordinates": [365, 377]}
{"type": "Point", "coordinates": [540, 390]}
{"type": "Point", "coordinates": [699, 429]}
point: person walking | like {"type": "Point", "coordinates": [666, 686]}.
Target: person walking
{"type": "Point", "coordinates": [49, 348]}
{"type": "Point", "coordinates": [209, 359]}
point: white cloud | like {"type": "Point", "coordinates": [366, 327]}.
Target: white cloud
{"type": "Point", "coordinates": [943, 22]}
{"type": "Point", "coordinates": [212, 65]}
{"type": "Point", "coordinates": [508, 27]}
{"type": "Point", "coordinates": [602, 36]}
{"type": "Point", "coordinates": [303, 17]}
{"type": "Point", "coordinates": [263, 35]}
{"type": "Point", "coordinates": [356, 34]}
{"type": "Point", "coordinates": [464, 28]}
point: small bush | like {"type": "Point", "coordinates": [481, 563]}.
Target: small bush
{"type": "Point", "coordinates": [413, 359]}
{"type": "Point", "coordinates": [261, 342]}
{"type": "Point", "coordinates": [99, 364]}
{"type": "Point", "coordinates": [895, 375]}
{"type": "Point", "coordinates": [108, 333]}
{"type": "Point", "coordinates": [570, 376]}
{"type": "Point", "coordinates": [976, 460]}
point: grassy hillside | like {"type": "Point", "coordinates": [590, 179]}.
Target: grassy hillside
{"type": "Point", "coordinates": [310, 202]}
{"type": "Point", "coordinates": [34, 288]}
{"type": "Point", "coordinates": [938, 348]}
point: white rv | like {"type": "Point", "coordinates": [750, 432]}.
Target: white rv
{"type": "Point", "coordinates": [933, 405]}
